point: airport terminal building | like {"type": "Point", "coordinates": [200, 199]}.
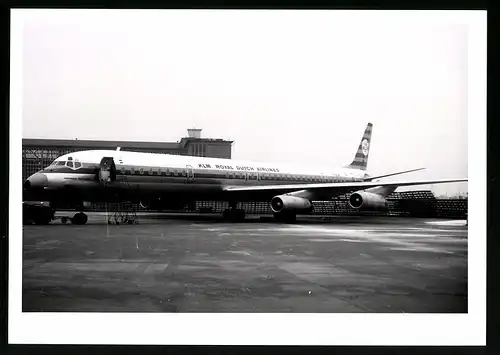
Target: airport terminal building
{"type": "Point", "coordinates": [38, 153]}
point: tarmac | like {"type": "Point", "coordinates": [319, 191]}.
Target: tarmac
{"type": "Point", "coordinates": [198, 263]}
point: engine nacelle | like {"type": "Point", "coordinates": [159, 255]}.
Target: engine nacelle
{"type": "Point", "coordinates": [367, 200]}
{"type": "Point", "coordinates": [290, 203]}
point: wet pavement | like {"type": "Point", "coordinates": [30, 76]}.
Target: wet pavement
{"type": "Point", "coordinates": [201, 264]}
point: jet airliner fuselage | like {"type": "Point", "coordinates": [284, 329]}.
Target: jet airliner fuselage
{"type": "Point", "coordinates": [172, 180]}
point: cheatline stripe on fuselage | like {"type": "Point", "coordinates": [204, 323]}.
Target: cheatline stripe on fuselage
{"type": "Point", "coordinates": [124, 171]}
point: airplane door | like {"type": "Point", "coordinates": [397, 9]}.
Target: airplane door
{"type": "Point", "coordinates": [107, 170]}
{"type": "Point", "coordinates": [189, 173]}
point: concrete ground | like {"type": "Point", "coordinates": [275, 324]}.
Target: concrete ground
{"type": "Point", "coordinates": [201, 264]}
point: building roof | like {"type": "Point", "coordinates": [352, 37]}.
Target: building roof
{"type": "Point", "coordinates": [76, 143]}
{"type": "Point", "coordinates": [185, 140]}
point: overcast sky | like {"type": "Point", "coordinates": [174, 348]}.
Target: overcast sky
{"type": "Point", "coordinates": [284, 85]}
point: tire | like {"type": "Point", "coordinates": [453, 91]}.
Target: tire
{"type": "Point", "coordinates": [285, 217]}
{"type": "Point", "coordinates": [79, 218]}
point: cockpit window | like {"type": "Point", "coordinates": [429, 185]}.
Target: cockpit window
{"type": "Point", "coordinates": [78, 164]}
{"type": "Point", "coordinates": [70, 164]}
{"type": "Point", "coordinates": [61, 163]}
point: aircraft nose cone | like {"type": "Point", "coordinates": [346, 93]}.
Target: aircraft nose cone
{"type": "Point", "coordinates": [36, 180]}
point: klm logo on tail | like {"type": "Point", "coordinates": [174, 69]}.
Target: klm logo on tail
{"type": "Point", "coordinates": [361, 158]}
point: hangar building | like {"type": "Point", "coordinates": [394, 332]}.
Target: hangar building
{"type": "Point", "coordinates": [38, 153]}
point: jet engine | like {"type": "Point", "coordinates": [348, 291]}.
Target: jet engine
{"type": "Point", "coordinates": [284, 203]}
{"type": "Point", "coordinates": [367, 200]}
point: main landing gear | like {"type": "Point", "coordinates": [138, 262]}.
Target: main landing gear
{"type": "Point", "coordinates": [79, 218]}
{"type": "Point", "coordinates": [285, 217]}
{"type": "Point", "coordinates": [233, 214]}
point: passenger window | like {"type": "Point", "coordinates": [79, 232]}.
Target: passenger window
{"type": "Point", "coordinates": [141, 171]}
{"type": "Point", "coordinates": [123, 170]}
{"type": "Point", "coordinates": [132, 171]}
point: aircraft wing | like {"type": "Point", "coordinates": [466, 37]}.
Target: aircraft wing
{"type": "Point", "coordinates": [342, 187]}
{"type": "Point", "coordinates": [371, 178]}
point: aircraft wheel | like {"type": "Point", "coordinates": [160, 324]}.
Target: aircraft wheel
{"type": "Point", "coordinates": [64, 220]}
{"type": "Point", "coordinates": [233, 215]}
{"type": "Point", "coordinates": [285, 217]}
{"type": "Point", "coordinates": [79, 218]}
{"type": "Point", "coordinates": [239, 214]}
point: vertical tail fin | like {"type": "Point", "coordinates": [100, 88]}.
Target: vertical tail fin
{"type": "Point", "coordinates": [361, 158]}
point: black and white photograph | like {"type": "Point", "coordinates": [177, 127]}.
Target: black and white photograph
{"type": "Point", "coordinates": [187, 171]}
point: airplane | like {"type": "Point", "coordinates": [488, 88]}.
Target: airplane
{"type": "Point", "coordinates": [159, 181]}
